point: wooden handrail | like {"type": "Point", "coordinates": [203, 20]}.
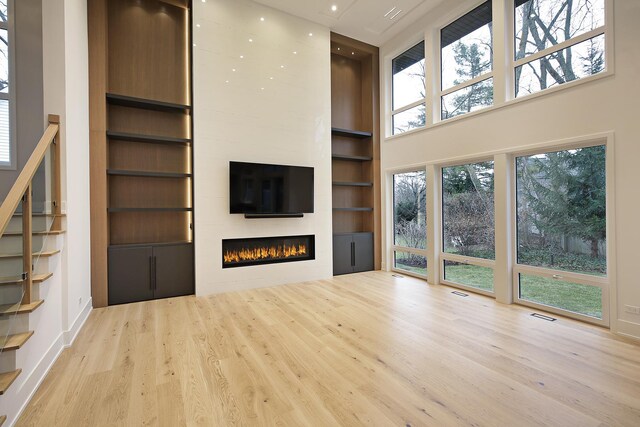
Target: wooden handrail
{"type": "Point", "coordinates": [13, 199]}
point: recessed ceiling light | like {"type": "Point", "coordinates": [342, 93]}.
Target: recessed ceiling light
{"type": "Point", "coordinates": [334, 8]}
{"type": "Point", "coordinates": [233, 69]}
{"type": "Point", "coordinates": [198, 25]}
{"type": "Point", "coordinates": [194, 45]}
{"type": "Point", "coordinates": [353, 53]}
{"type": "Point", "coordinates": [282, 66]}
{"type": "Point", "coordinates": [226, 81]}
{"type": "Point", "coordinates": [338, 48]}
{"type": "Point", "coordinates": [295, 53]}
{"type": "Point", "coordinates": [262, 18]}
{"type": "Point", "coordinates": [250, 40]}
{"type": "Point", "coordinates": [204, 1]}
{"type": "Point", "coordinates": [241, 56]}
{"type": "Point", "coordinates": [261, 88]}
{"type": "Point", "coordinates": [310, 34]}
{"type": "Point", "coordinates": [270, 78]}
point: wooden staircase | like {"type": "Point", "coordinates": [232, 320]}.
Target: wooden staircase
{"type": "Point", "coordinates": [28, 242]}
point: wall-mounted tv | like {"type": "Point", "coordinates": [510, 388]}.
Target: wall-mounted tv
{"type": "Point", "coordinates": [264, 189]}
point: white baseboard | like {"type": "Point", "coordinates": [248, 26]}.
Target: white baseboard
{"type": "Point", "coordinates": [81, 318]}
{"type": "Point", "coordinates": [62, 341]}
{"type": "Point", "coordinates": [628, 329]}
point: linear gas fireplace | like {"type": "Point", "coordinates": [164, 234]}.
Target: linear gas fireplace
{"type": "Point", "coordinates": [267, 250]}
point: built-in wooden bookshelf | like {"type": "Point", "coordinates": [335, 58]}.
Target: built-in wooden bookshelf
{"type": "Point", "coordinates": [141, 156]}
{"type": "Point", "coordinates": [355, 155]}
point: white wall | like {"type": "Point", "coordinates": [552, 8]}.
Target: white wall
{"type": "Point", "coordinates": [607, 104]}
{"type": "Point", "coordinates": [284, 120]}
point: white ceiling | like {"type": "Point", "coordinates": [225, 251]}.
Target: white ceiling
{"type": "Point", "coordinates": [363, 20]}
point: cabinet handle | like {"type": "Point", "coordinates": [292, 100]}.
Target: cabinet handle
{"type": "Point", "coordinates": [151, 271]}
{"type": "Point", "coordinates": [353, 254]}
{"type": "Point", "coordinates": [155, 274]}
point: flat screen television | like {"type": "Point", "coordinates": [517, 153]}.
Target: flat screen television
{"type": "Point", "coordinates": [263, 189]}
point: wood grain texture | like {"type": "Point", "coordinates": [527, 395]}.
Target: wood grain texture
{"type": "Point", "coordinates": [364, 349]}
{"type": "Point", "coordinates": [131, 155]}
{"type": "Point", "coordinates": [98, 75]}
{"type": "Point", "coordinates": [149, 227]}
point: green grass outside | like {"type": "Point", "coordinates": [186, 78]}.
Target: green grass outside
{"type": "Point", "coordinates": [470, 275]}
{"type": "Point", "coordinates": [565, 295]}
{"type": "Point", "coordinates": [573, 297]}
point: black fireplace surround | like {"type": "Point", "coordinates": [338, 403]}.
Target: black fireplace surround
{"type": "Point", "coordinates": [267, 250]}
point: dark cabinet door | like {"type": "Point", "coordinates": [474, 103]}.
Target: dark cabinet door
{"type": "Point", "coordinates": [363, 252]}
{"type": "Point", "coordinates": [130, 273]}
{"type": "Point", "coordinates": [342, 254]}
{"type": "Point", "coordinates": [173, 271]}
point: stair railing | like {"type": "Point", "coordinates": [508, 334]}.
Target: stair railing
{"type": "Point", "coordinates": [18, 254]}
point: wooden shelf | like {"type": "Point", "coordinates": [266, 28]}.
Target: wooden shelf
{"type": "Point", "coordinates": [351, 133]}
{"type": "Point", "coordinates": [351, 158]}
{"type": "Point", "coordinates": [147, 104]}
{"type": "Point", "coordinates": [352, 184]}
{"type": "Point", "coordinates": [149, 139]}
{"type": "Point", "coordinates": [352, 209]}
{"type": "Point", "coordinates": [345, 233]}
{"type": "Point", "coordinates": [112, 210]}
{"type": "Point", "coordinates": [118, 172]}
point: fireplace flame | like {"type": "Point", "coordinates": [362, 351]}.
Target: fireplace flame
{"type": "Point", "coordinates": [267, 252]}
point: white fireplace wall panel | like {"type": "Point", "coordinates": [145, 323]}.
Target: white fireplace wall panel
{"type": "Point", "coordinates": [274, 108]}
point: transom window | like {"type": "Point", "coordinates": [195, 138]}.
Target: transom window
{"type": "Point", "coordinates": [557, 41]}
{"type": "Point", "coordinates": [467, 63]}
{"type": "Point", "coordinates": [408, 104]}
{"type": "Point", "coordinates": [6, 154]}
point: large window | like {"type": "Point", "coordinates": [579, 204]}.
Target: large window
{"type": "Point", "coordinates": [467, 63]}
{"type": "Point", "coordinates": [557, 41]}
{"type": "Point", "coordinates": [468, 229]}
{"type": "Point", "coordinates": [561, 230]}
{"type": "Point", "coordinates": [410, 222]}
{"type": "Point", "coordinates": [409, 108]}
{"type": "Point", "coordinates": [6, 154]}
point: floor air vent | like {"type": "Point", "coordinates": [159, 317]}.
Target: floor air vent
{"type": "Point", "coordinates": [398, 276]}
{"type": "Point", "coordinates": [461, 294]}
{"type": "Point", "coordinates": [543, 317]}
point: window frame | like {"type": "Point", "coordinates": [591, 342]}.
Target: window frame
{"type": "Point", "coordinates": [445, 256]}
{"type": "Point", "coordinates": [10, 95]}
{"type": "Point", "coordinates": [602, 282]}
{"type": "Point", "coordinates": [397, 248]}
{"type": "Point", "coordinates": [503, 66]}
{"type": "Point", "coordinates": [393, 112]}
{"type": "Point", "coordinates": [440, 93]}
{"type": "Point", "coordinates": [510, 31]}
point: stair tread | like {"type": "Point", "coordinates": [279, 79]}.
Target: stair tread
{"type": "Point", "coordinates": [45, 254]}
{"type": "Point", "coordinates": [14, 342]}
{"type": "Point", "coordinates": [10, 309]}
{"type": "Point", "coordinates": [7, 378]}
{"type": "Point", "coordinates": [39, 278]}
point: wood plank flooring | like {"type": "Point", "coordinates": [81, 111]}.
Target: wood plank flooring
{"type": "Point", "coordinates": [363, 349]}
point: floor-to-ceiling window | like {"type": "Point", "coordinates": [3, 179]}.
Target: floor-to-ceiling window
{"type": "Point", "coordinates": [561, 218]}
{"type": "Point", "coordinates": [468, 231]}
{"type": "Point", "coordinates": [410, 222]}
{"type": "Point", "coordinates": [7, 154]}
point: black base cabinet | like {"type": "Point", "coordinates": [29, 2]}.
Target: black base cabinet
{"type": "Point", "coordinates": [141, 273]}
{"type": "Point", "coordinates": [352, 253]}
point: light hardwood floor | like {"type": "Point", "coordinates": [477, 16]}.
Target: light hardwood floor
{"type": "Point", "coordinates": [360, 349]}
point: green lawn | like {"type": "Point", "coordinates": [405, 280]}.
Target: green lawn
{"type": "Point", "coordinates": [568, 296]}
{"type": "Point", "coordinates": [411, 263]}
{"type": "Point", "coordinates": [470, 275]}
{"type": "Point", "coordinates": [573, 297]}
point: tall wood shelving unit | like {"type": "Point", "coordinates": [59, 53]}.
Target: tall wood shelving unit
{"type": "Point", "coordinates": [355, 151]}
{"type": "Point", "coordinates": [141, 149]}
